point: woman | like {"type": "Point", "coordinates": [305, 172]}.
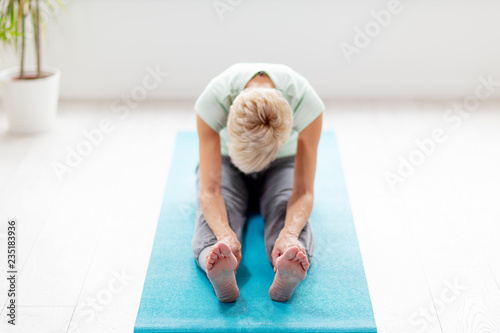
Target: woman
{"type": "Point", "coordinates": [259, 126]}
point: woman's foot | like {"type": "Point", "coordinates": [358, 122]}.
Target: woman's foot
{"type": "Point", "coordinates": [221, 264]}
{"type": "Point", "coordinates": [291, 268]}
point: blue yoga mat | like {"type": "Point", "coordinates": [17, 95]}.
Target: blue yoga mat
{"type": "Point", "coordinates": [334, 297]}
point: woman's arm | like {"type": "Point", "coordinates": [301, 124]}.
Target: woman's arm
{"type": "Point", "coordinates": [301, 201]}
{"type": "Point", "coordinates": [211, 200]}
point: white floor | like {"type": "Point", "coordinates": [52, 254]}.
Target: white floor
{"type": "Point", "coordinates": [430, 245]}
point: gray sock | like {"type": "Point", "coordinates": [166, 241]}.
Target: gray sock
{"type": "Point", "coordinates": [203, 257]}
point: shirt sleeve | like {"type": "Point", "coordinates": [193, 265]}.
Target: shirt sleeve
{"type": "Point", "coordinates": [211, 110]}
{"type": "Point", "coordinates": [308, 109]}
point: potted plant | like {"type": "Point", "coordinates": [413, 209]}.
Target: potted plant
{"type": "Point", "coordinates": [29, 93]}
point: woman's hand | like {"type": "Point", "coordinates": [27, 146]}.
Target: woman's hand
{"type": "Point", "coordinates": [235, 245]}
{"type": "Point", "coordinates": [285, 241]}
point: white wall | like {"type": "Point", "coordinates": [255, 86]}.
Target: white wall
{"type": "Point", "coordinates": [431, 49]}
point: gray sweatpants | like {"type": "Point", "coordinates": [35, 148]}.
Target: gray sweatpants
{"type": "Point", "coordinates": [268, 190]}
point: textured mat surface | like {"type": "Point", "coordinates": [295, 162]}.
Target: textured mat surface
{"type": "Point", "coordinates": [177, 296]}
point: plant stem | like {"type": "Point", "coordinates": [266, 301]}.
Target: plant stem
{"type": "Point", "coordinates": [37, 42]}
{"type": "Point", "coordinates": [23, 37]}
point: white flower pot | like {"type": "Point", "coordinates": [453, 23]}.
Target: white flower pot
{"type": "Point", "coordinates": [31, 105]}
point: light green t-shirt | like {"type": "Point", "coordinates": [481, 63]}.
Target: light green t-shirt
{"type": "Point", "coordinates": [213, 104]}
